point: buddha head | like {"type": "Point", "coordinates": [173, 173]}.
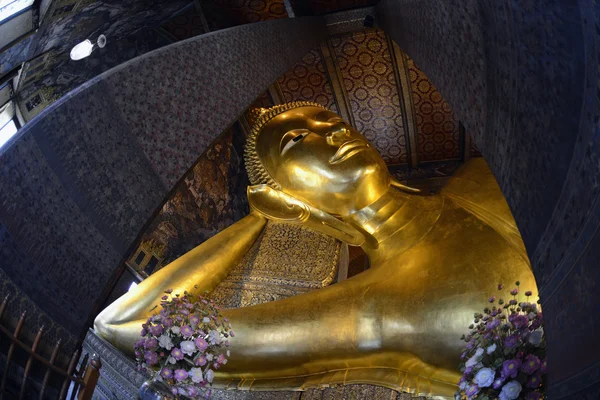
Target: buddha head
{"type": "Point", "coordinates": [311, 154]}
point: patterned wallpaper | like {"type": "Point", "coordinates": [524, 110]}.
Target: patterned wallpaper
{"type": "Point", "coordinates": [327, 6]}
{"type": "Point", "coordinates": [307, 80]}
{"type": "Point", "coordinates": [221, 14]}
{"type": "Point", "coordinates": [437, 125]}
{"type": "Point", "coordinates": [368, 77]}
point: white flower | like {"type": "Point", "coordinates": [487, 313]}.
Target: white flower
{"type": "Point", "coordinates": [210, 375]}
{"type": "Point", "coordinates": [472, 361]}
{"type": "Point", "coordinates": [535, 338]}
{"type": "Point", "coordinates": [171, 360]}
{"type": "Point", "coordinates": [491, 349]}
{"type": "Point", "coordinates": [214, 337]}
{"type": "Point", "coordinates": [228, 353]}
{"type": "Point", "coordinates": [165, 342]}
{"type": "Point", "coordinates": [188, 347]}
{"type": "Point", "coordinates": [196, 375]}
{"type": "Point", "coordinates": [209, 357]}
{"type": "Point", "coordinates": [479, 352]}
{"type": "Point", "coordinates": [510, 391]}
{"type": "Point", "coordinates": [463, 385]}
{"type": "Point", "coordinates": [176, 330]}
{"type": "Point", "coordinates": [206, 320]}
{"type": "Point", "coordinates": [457, 396]}
{"type": "Point", "coordinates": [485, 377]}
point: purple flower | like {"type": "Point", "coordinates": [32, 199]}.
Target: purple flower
{"type": "Point", "coordinates": [151, 344]}
{"type": "Point", "coordinates": [144, 332]}
{"type": "Point", "coordinates": [500, 286]}
{"type": "Point", "coordinates": [201, 344]}
{"type": "Point", "coordinates": [151, 357]}
{"type": "Point", "coordinates": [177, 354]}
{"type": "Point", "coordinates": [166, 373]}
{"type": "Point", "coordinates": [472, 391]}
{"type": "Point", "coordinates": [520, 321]}
{"type": "Point", "coordinates": [169, 291]}
{"type": "Point", "coordinates": [528, 293]}
{"type": "Point", "coordinates": [200, 361]}
{"type": "Point", "coordinates": [534, 380]}
{"type": "Point", "coordinates": [511, 341]}
{"type": "Point", "coordinates": [492, 299]}
{"type": "Point", "coordinates": [514, 292]}
{"type": "Point", "coordinates": [140, 343]}
{"type": "Point", "coordinates": [492, 324]}
{"type": "Point", "coordinates": [230, 332]}
{"type": "Point", "coordinates": [533, 396]}
{"type": "Point", "coordinates": [167, 322]}
{"type": "Point", "coordinates": [157, 330]}
{"type": "Point", "coordinates": [194, 320]}
{"type": "Point", "coordinates": [510, 368]}
{"type": "Point", "coordinates": [531, 364]}
{"type": "Point", "coordinates": [222, 359]}
{"type": "Point", "coordinates": [544, 366]}
{"type": "Point", "coordinates": [498, 383]}
{"type": "Point", "coordinates": [186, 331]}
{"type": "Point", "coordinates": [181, 374]}
{"type": "Point", "coordinates": [165, 297]}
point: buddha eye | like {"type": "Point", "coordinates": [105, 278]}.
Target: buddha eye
{"type": "Point", "coordinates": [291, 138]}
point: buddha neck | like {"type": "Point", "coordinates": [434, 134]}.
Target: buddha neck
{"type": "Point", "coordinates": [397, 221]}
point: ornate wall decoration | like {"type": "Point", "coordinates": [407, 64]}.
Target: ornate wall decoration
{"type": "Point", "coordinates": [368, 76]}
{"type": "Point", "coordinates": [307, 80]}
{"type": "Point", "coordinates": [210, 197]}
{"type": "Point", "coordinates": [221, 14]}
{"type": "Point", "coordinates": [327, 6]}
{"type": "Point", "coordinates": [437, 124]}
{"type": "Point", "coordinates": [286, 260]}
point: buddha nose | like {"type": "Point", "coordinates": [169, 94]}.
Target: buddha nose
{"type": "Point", "coordinates": [336, 133]}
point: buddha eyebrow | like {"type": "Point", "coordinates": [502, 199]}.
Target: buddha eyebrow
{"type": "Point", "coordinates": [297, 138]}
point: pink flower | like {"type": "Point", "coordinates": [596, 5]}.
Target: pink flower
{"type": "Point", "coordinates": [181, 374]}
{"type": "Point", "coordinates": [201, 344]}
{"type": "Point", "coordinates": [186, 331]}
{"type": "Point", "coordinates": [151, 357]}
{"type": "Point", "coordinates": [177, 354]}
{"type": "Point", "coordinates": [200, 361]}
{"type": "Point", "coordinates": [222, 359]}
{"type": "Point", "coordinates": [151, 344]}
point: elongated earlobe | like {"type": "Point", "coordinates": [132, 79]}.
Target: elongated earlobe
{"type": "Point", "coordinates": [279, 206]}
{"type": "Point", "coordinates": [403, 187]}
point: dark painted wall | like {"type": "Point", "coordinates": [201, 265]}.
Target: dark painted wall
{"type": "Point", "coordinates": [527, 88]}
{"type": "Point", "coordinates": [82, 178]}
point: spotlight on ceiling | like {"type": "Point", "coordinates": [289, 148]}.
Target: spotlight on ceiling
{"type": "Point", "coordinates": [85, 48]}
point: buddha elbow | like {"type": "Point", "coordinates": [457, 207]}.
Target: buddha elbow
{"type": "Point", "coordinates": [102, 328]}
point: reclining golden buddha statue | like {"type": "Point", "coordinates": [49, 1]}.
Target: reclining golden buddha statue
{"type": "Point", "coordinates": [435, 260]}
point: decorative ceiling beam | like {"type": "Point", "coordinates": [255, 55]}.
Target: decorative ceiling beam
{"type": "Point", "coordinates": [402, 76]}
{"type": "Point", "coordinates": [335, 79]}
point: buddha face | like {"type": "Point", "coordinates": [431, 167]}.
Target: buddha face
{"type": "Point", "coordinates": [320, 159]}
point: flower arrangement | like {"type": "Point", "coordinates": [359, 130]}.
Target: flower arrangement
{"type": "Point", "coordinates": [505, 352]}
{"type": "Point", "coordinates": [184, 344]}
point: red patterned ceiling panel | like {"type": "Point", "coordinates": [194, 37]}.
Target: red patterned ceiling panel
{"type": "Point", "coordinates": [368, 76]}
{"type": "Point", "coordinates": [437, 125]}
{"type": "Point", "coordinates": [308, 81]}
{"type": "Point", "coordinates": [222, 14]}
{"type": "Point", "coordinates": [326, 6]}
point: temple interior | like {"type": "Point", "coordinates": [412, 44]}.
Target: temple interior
{"type": "Point", "coordinates": [151, 145]}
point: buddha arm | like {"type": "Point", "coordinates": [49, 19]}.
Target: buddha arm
{"type": "Point", "coordinates": [197, 271]}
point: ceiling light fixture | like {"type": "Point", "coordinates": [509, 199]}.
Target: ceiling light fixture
{"type": "Point", "coordinates": [85, 48]}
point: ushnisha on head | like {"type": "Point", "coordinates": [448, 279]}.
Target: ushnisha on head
{"type": "Point", "coordinates": [313, 155]}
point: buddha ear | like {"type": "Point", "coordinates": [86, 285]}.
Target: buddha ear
{"type": "Point", "coordinates": [276, 205]}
